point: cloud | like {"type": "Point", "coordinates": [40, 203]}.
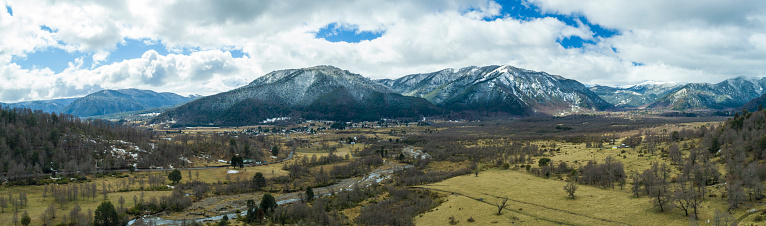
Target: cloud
{"type": "Point", "coordinates": [199, 72]}
{"type": "Point", "coordinates": [684, 41]}
{"type": "Point", "coordinates": [688, 40]}
{"type": "Point", "coordinates": [99, 57]}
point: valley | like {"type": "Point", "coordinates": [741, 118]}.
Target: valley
{"type": "Point", "coordinates": [465, 170]}
{"type": "Point", "coordinates": [321, 145]}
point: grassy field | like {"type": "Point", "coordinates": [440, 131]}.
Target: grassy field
{"type": "Point", "coordinates": [535, 201]}
{"type": "Point", "coordinates": [37, 205]}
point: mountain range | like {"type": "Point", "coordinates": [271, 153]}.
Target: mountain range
{"type": "Point", "coordinates": [56, 105]}
{"type": "Point", "coordinates": [634, 96]}
{"type": "Point", "coordinates": [728, 94]}
{"type": "Point", "coordinates": [327, 92]}
{"type": "Point", "coordinates": [106, 102]}
{"type": "Point", "coordinates": [321, 92]}
{"type": "Point", "coordinates": [499, 88]}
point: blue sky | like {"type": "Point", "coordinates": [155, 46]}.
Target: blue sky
{"type": "Point", "coordinates": [71, 48]}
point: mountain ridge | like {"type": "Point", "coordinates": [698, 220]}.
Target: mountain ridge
{"type": "Point", "coordinates": [307, 92]}
{"type": "Point", "coordinates": [517, 91]}
{"type": "Point", "coordinates": [727, 94]}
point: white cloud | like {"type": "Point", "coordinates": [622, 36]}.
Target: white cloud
{"type": "Point", "coordinates": [99, 57]}
{"type": "Point", "coordinates": [688, 40]}
{"type": "Point", "coordinates": [685, 41]}
{"type": "Point", "coordinates": [171, 73]}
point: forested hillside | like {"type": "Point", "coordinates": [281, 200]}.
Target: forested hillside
{"type": "Point", "coordinates": [33, 142]}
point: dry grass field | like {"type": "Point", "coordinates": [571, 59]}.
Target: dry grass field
{"type": "Point", "coordinates": [539, 201]}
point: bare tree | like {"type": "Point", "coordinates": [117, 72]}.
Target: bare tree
{"type": "Point", "coordinates": [501, 205]}
{"type": "Point", "coordinates": [736, 194]}
{"type": "Point", "coordinates": [570, 188]}
{"type": "Point", "coordinates": [675, 155]}
{"type": "Point", "coordinates": [122, 203]}
{"type": "Point", "coordinates": [723, 219]}
{"type": "Point", "coordinates": [51, 211]}
{"type": "Point", "coordinates": [636, 185]}
{"type": "Point", "coordinates": [659, 190]}
{"type": "Point", "coordinates": [685, 197]}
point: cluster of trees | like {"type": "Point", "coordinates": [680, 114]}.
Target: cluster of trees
{"type": "Point", "coordinates": [403, 205]}
{"type": "Point", "coordinates": [63, 193]}
{"type": "Point", "coordinates": [176, 201]}
{"type": "Point", "coordinates": [16, 202]}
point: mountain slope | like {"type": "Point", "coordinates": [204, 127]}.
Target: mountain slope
{"type": "Point", "coordinates": [499, 88]}
{"type": "Point", "coordinates": [755, 104]}
{"type": "Point", "coordinates": [321, 92]}
{"type": "Point", "coordinates": [48, 106]}
{"type": "Point", "coordinates": [633, 96]}
{"type": "Point", "coordinates": [731, 93]}
{"type": "Point", "coordinates": [124, 100]}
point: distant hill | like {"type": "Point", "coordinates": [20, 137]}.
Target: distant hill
{"type": "Point", "coordinates": [635, 96]}
{"type": "Point", "coordinates": [731, 93]}
{"type": "Point", "coordinates": [499, 89]}
{"type": "Point", "coordinates": [124, 100]}
{"type": "Point", "coordinates": [48, 106]}
{"type": "Point", "coordinates": [321, 92]}
{"type": "Point", "coordinates": [755, 104]}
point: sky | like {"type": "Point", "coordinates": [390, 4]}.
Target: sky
{"type": "Point", "coordinates": [60, 49]}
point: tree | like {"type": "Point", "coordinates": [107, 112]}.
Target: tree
{"type": "Point", "coordinates": [268, 202]}
{"type": "Point", "coordinates": [309, 194]}
{"type": "Point", "coordinates": [237, 161]}
{"type": "Point", "coordinates": [275, 151]}
{"type": "Point", "coordinates": [122, 202]}
{"type": "Point", "coordinates": [259, 181]}
{"type": "Point", "coordinates": [543, 162]}
{"type": "Point", "coordinates": [224, 221]}
{"type": "Point", "coordinates": [736, 194]}
{"type": "Point", "coordinates": [686, 197]}
{"type": "Point", "coordinates": [570, 188]}
{"type": "Point", "coordinates": [723, 219]}
{"type": "Point", "coordinates": [501, 205]}
{"type": "Point", "coordinates": [175, 176]}
{"type": "Point", "coordinates": [675, 155]}
{"type": "Point", "coordinates": [25, 219]}
{"type": "Point", "coordinates": [106, 215]}
{"type": "Point", "coordinates": [252, 211]}
{"type": "Point", "coordinates": [656, 184]}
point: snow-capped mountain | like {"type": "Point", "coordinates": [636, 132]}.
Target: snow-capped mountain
{"type": "Point", "coordinates": [731, 93]}
{"type": "Point", "coordinates": [638, 95]}
{"type": "Point", "coordinates": [321, 92]}
{"type": "Point", "coordinates": [499, 88]}
{"type": "Point", "coordinates": [49, 106]}
{"type": "Point", "coordinates": [106, 102]}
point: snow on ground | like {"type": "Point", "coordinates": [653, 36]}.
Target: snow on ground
{"type": "Point", "coordinates": [271, 120]}
{"type": "Point", "coordinates": [149, 114]}
{"type": "Point", "coordinates": [232, 171]}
